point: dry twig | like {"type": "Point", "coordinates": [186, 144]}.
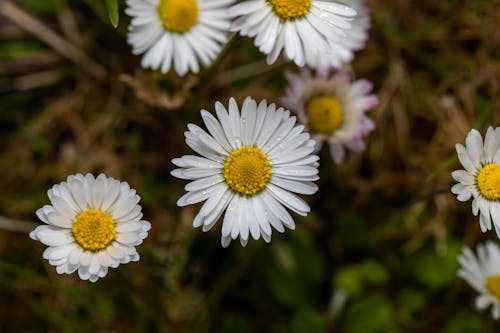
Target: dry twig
{"type": "Point", "coordinates": [48, 36]}
{"type": "Point", "coordinates": [8, 224]}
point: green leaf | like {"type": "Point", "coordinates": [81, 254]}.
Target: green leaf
{"type": "Point", "coordinates": [353, 233]}
{"type": "Point", "coordinates": [464, 323]}
{"type": "Point", "coordinates": [369, 315]}
{"type": "Point", "coordinates": [353, 278]}
{"type": "Point", "coordinates": [411, 300]}
{"type": "Point", "coordinates": [349, 279]}
{"type": "Point", "coordinates": [40, 7]}
{"type": "Point", "coordinates": [434, 270]}
{"type": "Point", "coordinates": [373, 272]}
{"type": "Point", "coordinates": [306, 320]}
{"type": "Point", "coordinates": [112, 7]}
{"type": "Point", "coordinates": [299, 271]}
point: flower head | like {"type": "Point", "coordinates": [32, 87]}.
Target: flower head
{"type": "Point", "coordinates": [354, 41]}
{"type": "Point", "coordinates": [305, 29]}
{"type": "Point", "coordinates": [92, 224]}
{"type": "Point", "coordinates": [481, 177]}
{"type": "Point", "coordinates": [251, 162]}
{"type": "Point", "coordinates": [179, 32]}
{"type": "Point", "coordinates": [333, 108]}
{"type": "Point", "coordinates": [482, 272]}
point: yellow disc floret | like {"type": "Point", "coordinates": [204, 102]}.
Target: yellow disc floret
{"type": "Point", "coordinates": [94, 229]}
{"type": "Point", "coordinates": [290, 9]}
{"type": "Point", "coordinates": [493, 284]}
{"type": "Point", "coordinates": [488, 181]}
{"type": "Point", "coordinates": [178, 15]}
{"type": "Point", "coordinates": [324, 114]}
{"type": "Point", "coordinates": [247, 170]}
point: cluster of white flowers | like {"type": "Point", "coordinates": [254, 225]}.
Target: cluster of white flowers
{"type": "Point", "coordinates": [256, 159]}
{"type": "Point", "coordinates": [481, 181]}
{"type": "Point", "coordinates": [320, 34]}
{"type": "Point", "coordinates": [323, 34]}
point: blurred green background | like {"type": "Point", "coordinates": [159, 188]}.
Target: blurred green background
{"type": "Point", "coordinates": [377, 253]}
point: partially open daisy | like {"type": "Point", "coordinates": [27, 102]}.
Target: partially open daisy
{"type": "Point", "coordinates": [481, 177]}
{"type": "Point", "coordinates": [358, 34]}
{"type": "Point", "coordinates": [92, 224]}
{"type": "Point", "coordinates": [179, 32]}
{"type": "Point", "coordinates": [303, 28]}
{"type": "Point", "coordinates": [251, 163]}
{"type": "Point", "coordinates": [482, 272]}
{"type": "Point", "coordinates": [333, 108]}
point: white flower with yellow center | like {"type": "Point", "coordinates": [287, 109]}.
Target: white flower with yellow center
{"type": "Point", "coordinates": [92, 224]}
{"type": "Point", "coordinates": [251, 163]}
{"type": "Point", "coordinates": [358, 34]}
{"type": "Point", "coordinates": [303, 28]}
{"type": "Point", "coordinates": [179, 32]}
{"type": "Point", "coordinates": [333, 108]}
{"type": "Point", "coordinates": [482, 272]}
{"type": "Point", "coordinates": [481, 177]}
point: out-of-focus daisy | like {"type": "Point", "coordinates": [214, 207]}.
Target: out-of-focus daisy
{"type": "Point", "coordinates": [179, 32]}
{"type": "Point", "coordinates": [333, 108]}
{"type": "Point", "coordinates": [358, 34]}
{"type": "Point", "coordinates": [482, 272]}
{"type": "Point", "coordinates": [92, 224]}
{"type": "Point", "coordinates": [481, 177]}
{"type": "Point", "coordinates": [303, 28]}
{"type": "Point", "coordinates": [251, 163]}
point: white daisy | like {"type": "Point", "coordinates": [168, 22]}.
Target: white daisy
{"type": "Point", "coordinates": [481, 177]}
{"type": "Point", "coordinates": [333, 108]}
{"type": "Point", "coordinates": [303, 28]}
{"type": "Point", "coordinates": [251, 163]}
{"type": "Point", "coordinates": [182, 32]}
{"type": "Point", "coordinates": [483, 274]}
{"type": "Point", "coordinates": [92, 224]}
{"type": "Point", "coordinates": [358, 34]}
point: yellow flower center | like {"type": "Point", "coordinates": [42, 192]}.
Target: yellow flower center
{"type": "Point", "coordinates": [493, 284]}
{"type": "Point", "coordinates": [94, 229]}
{"type": "Point", "coordinates": [488, 181]}
{"type": "Point", "coordinates": [324, 113]}
{"type": "Point", "coordinates": [247, 170]}
{"type": "Point", "coordinates": [178, 15]}
{"type": "Point", "coordinates": [290, 9]}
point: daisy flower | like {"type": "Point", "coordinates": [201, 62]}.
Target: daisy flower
{"type": "Point", "coordinates": [358, 34]}
{"type": "Point", "coordinates": [179, 32]}
{"type": "Point", "coordinates": [250, 164]}
{"type": "Point", "coordinates": [303, 28]}
{"type": "Point", "coordinates": [481, 177]}
{"type": "Point", "coordinates": [92, 224]}
{"type": "Point", "coordinates": [482, 272]}
{"type": "Point", "coordinates": [333, 108]}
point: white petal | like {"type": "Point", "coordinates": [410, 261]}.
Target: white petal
{"type": "Point", "coordinates": [277, 209]}
{"type": "Point", "coordinates": [52, 236]}
{"type": "Point", "coordinates": [248, 116]}
{"type": "Point", "coordinates": [83, 272]}
{"type": "Point", "coordinates": [474, 146]}
{"type": "Point", "coordinates": [483, 301]}
{"type": "Point", "coordinates": [261, 216]}
{"type": "Point", "coordinates": [225, 241]}
{"type": "Point", "coordinates": [289, 200]}
{"type": "Point", "coordinates": [464, 158]}
{"type": "Point", "coordinates": [294, 186]}
{"type": "Point", "coordinates": [485, 221]}
{"type": "Point", "coordinates": [463, 177]}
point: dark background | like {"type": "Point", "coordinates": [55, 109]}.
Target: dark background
{"type": "Point", "coordinates": [376, 254]}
